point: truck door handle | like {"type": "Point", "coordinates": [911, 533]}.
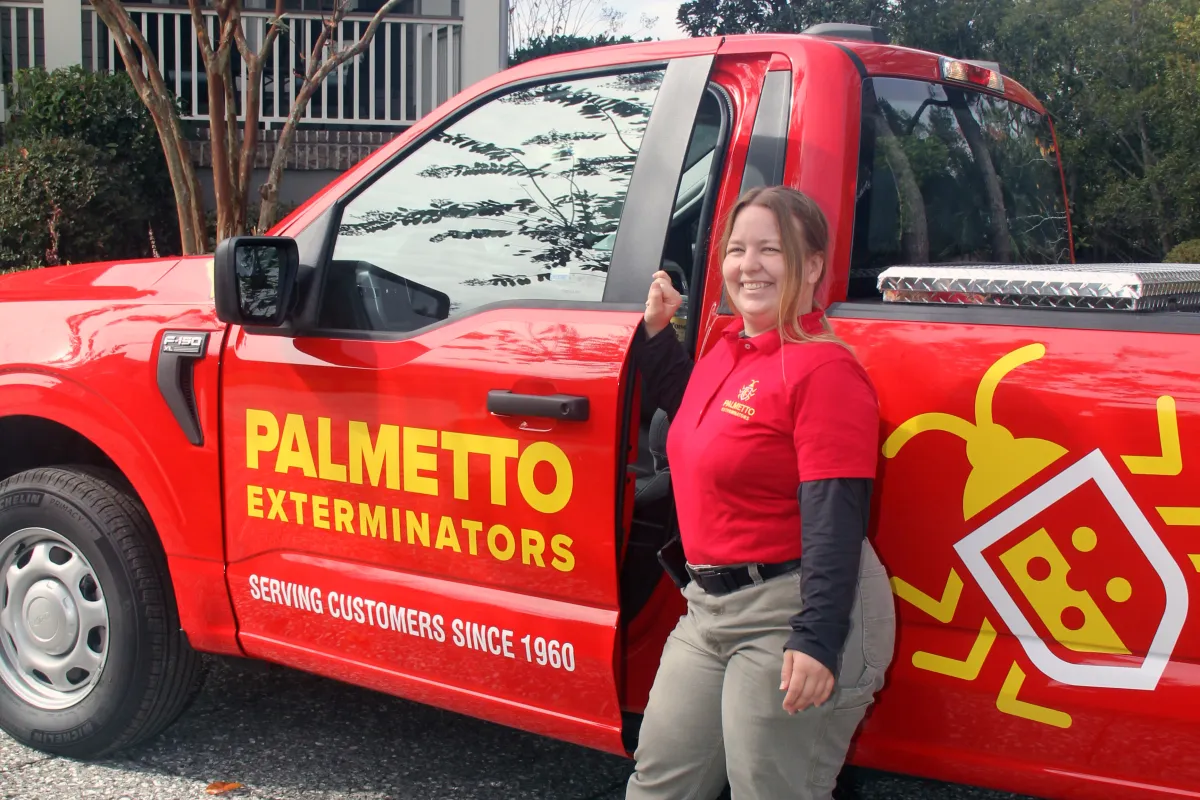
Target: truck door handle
{"type": "Point", "coordinates": [553, 406]}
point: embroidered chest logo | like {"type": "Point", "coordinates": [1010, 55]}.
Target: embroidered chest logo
{"type": "Point", "coordinates": [739, 408]}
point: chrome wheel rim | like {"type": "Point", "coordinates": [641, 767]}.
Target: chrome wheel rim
{"type": "Point", "coordinates": [54, 626]}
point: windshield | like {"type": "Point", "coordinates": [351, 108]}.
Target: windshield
{"type": "Point", "coordinates": [950, 175]}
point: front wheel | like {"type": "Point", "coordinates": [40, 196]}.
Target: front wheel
{"type": "Point", "coordinates": [92, 658]}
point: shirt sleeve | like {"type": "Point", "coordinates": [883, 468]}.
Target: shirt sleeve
{"type": "Point", "coordinates": [836, 435]}
{"type": "Point", "coordinates": [834, 514]}
{"type": "Point", "coordinates": [835, 417]}
{"type": "Point", "coordinates": [664, 365]}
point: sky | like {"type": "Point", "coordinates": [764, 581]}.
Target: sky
{"type": "Point", "coordinates": [663, 9]}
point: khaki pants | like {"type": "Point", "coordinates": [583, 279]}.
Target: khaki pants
{"type": "Point", "coordinates": [715, 713]}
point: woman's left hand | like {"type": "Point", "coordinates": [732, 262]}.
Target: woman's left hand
{"type": "Point", "coordinates": [806, 681]}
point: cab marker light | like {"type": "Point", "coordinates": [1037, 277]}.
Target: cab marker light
{"type": "Point", "coordinates": [967, 72]}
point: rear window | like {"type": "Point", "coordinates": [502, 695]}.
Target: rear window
{"type": "Point", "coordinates": [950, 175]}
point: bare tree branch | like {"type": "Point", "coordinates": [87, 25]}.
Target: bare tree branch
{"type": "Point", "coordinates": [532, 19]}
{"type": "Point", "coordinates": [254, 74]}
{"type": "Point", "coordinates": [159, 102]}
{"type": "Point", "coordinates": [201, 27]}
{"type": "Point", "coordinates": [229, 12]}
{"type": "Point", "coordinates": [314, 76]}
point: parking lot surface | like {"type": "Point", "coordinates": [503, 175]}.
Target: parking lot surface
{"type": "Point", "coordinates": [285, 735]}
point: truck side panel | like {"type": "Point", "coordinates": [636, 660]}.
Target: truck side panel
{"type": "Point", "coordinates": [385, 528]}
{"type": "Point", "coordinates": [1038, 516]}
{"type": "Point", "coordinates": [89, 365]}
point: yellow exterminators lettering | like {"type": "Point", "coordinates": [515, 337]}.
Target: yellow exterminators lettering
{"type": "Point", "coordinates": [447, 536]}
{"type": "Point", "coordinates": [298, 498]}
{"type": "Point", "coordinates": [277, 511]}
{"type": "Point", "coordinates": [510, 544]}
{"type": "Point", "coordinates": [533, 544]}
{"type": "Point", "coordinates": [418, 529]}
{"type": "Point", "coordinates": [343, 516]}
{"type": "Point", "coordinates": [254, 501]}
{"type": "Point", "coordinates": [372, 521]}
{"type": "Point", "coordinates": [320, 511]}
{"type": "Point", "coordinates": [564, 559]}
{"type": "Point", "coordinates": [472, 528]}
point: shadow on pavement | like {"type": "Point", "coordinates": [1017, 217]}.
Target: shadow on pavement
{"type": "Point", "coordinates": [288, 734]}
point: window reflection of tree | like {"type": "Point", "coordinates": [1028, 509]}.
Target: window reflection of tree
{"type": "Point", "coordinates": [915, 236]}
{"type": "Point", "coordinates": [559, 222]}
{"type": "Point", "coordinates": [997, 216]}
{"type": "Point", "coordinates": [974, 178]}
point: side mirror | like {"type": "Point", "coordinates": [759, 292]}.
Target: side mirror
{"type": "Point", "coordinates": [255, 280]}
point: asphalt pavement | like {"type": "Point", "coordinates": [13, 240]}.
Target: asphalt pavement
{"type": "Point", "coordinates": [286, 735]}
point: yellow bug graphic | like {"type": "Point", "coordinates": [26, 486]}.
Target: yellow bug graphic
{"type": "Point", "coordinates": [1001, 463]}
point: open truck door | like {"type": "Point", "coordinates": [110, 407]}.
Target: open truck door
{"type": "Point", "coordinates": [425, 463]}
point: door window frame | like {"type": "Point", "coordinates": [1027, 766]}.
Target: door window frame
{"type": "Point", "coordinates": [705, 233]}
{"type": "Point", "coordinates": [641, 230]}
{"type": "Point", "coordinates": [767, 149]}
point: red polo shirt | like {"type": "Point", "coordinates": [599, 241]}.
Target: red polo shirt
{"type": "Point", "coordinates": [757, 418]}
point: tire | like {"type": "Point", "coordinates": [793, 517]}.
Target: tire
{"type": "Point", "coordinates": [84, 584]}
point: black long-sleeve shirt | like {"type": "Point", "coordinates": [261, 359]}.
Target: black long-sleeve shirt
{"type": "Point", "coordinates": [834, 515]}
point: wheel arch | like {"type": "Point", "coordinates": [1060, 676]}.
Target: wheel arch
{"type": "Point", "coordinates": [83, 428]}
{"type": "Point", "coordinates": [28, 442]}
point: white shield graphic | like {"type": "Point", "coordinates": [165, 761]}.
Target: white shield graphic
{"type": "Point", "coordinates": [1092, 467]}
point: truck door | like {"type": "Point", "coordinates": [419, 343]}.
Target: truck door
{"type": "Point", "coordinates": [422, 492]}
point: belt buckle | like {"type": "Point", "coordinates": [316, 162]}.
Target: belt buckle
{"type": "Point", "coordinates": [729, 580]}
{"type": "Point", "coordinates": [714, 580]}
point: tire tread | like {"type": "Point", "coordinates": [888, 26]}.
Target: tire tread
{"type": "Point", "coordinates": [176, 672]}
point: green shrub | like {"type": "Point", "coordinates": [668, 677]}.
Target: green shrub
{"type": "Point", "coordinates": [102, 109]}
{"type": "Point", "coordinates": [1185, 253]}
{"type": "Point", "coordinates": [64, 201]}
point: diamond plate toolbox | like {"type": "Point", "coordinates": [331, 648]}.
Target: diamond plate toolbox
{"type": "Point", "coordinates": [1116, 287]}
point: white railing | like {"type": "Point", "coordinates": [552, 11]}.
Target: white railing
{"type": "Point", "coordinates": [411, 65]}
{"type": "Point", "coordinates": [22, 33]}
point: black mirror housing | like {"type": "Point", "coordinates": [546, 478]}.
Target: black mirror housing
{"type": "Point", "coordinates": [255, 279]}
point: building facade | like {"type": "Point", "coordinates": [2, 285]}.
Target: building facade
{"type": "Point", "coordinates": [424, 52]}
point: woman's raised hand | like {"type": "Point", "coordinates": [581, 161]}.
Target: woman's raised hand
{"type": "Point", "coordinates": [661, 304]}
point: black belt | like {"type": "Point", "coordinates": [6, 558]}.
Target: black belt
{"type": "Point", "coordinates": [723, 580]}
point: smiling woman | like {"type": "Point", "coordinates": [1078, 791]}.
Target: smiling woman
{"type": "Point", "coordinates": [771, 271]}
{"type": "Point", "coordinates": [773, 447]}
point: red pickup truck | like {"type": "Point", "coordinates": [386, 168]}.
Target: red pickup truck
{"type": "Point", "coordinates": [399, 442]}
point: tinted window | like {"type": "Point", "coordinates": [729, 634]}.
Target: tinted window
{"type": "Point", "coordinates": [950, 175]}
{"type": "Point", "coordinates": [515, 201]}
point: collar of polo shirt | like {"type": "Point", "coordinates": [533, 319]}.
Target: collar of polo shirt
{"type": "Point", "coordinates": [770, 341]}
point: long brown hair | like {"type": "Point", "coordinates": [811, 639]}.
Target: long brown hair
{"type": "Point", "coordinates": [803, 231]}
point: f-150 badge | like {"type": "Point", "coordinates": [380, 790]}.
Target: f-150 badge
{"type": "Point", "coordinates": [1021, 557]}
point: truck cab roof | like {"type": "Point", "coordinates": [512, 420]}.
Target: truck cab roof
{"type": "Point", "coordinates": [871, 58]}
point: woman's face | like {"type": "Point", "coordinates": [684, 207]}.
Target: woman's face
{"type": "Point", "coordinates": [754, 270]}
